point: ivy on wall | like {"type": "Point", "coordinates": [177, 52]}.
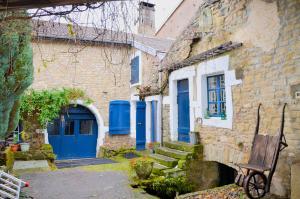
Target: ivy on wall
{"type": "Point", "coordinates": [40, 107]}
{"type": "Point", "coordinates": [16, 69]}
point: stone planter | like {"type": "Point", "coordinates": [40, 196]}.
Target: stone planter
{"type": "Point", "coordinates": [145, 171]}
{"type": "Point", "coordinates": [25, 146]}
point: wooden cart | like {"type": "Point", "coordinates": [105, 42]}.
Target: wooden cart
{"type": "Point", "coordinates": [263, 160]}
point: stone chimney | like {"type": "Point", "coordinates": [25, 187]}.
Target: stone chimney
{"type": "Point", "coordinates": [146, 24]}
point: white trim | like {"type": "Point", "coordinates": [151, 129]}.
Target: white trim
{"type": "Point", "coordinates": [213, 67]}
{"type": "Point", "coordinates": [183, 73]}
{"type": "Point", "coordinates": [133, 100]}
{"type": "Point", "coordinates": [148, 100]}
{"type": "Point", "coordinates": [139, 54]}
{"type": "Point", "coordinates": [149, 50]}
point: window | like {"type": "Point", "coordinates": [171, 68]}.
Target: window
{"type": "Point", "coordinates": [86, 127]}
{"type": "Point", "coordinates": [53, 128]}
{"type": "Point", "coordinates": [135, 73]}
{"type": "Point", "coordinates": [216, 95]}
{"type": "Point", "coordinates": [69, 127]}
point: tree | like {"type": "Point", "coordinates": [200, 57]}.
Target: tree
{"type": "Point", "coordinates": [16, 68]}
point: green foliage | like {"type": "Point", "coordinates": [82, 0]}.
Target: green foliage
{"type": "Point", "coordinates": [45, 153]}
{"type": "Point", "coordinates": [107, 152]}
{"type": "Point", "coordinates": [16, 69]}
{"type": "Point", "coordinates": [142, 166]}
{"type": "Point", "coordinates": [167, 187]}
{"type": "Point", "coordinates": [44, 106]}
{"type": "Point", "coordinates": [10, 159]}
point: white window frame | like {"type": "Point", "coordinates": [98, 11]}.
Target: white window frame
{"type": "Point", "coordinates": [215, 67]}
{"type": "Point", "coordinates": [135, 54]}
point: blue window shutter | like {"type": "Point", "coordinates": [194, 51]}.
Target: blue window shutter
{"type": "Point", "coordinates": [135, 70]}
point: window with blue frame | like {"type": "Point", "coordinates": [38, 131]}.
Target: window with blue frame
{"type": "Point", "coordinates": [216, 96]}
{"type": "Point", "coordinates": [135, 73]}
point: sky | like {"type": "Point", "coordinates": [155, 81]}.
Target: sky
{"type": "Point", "coordinates": [163, 9]}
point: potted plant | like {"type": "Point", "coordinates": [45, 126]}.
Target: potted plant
{"type": "Point", "coordinates": [15, 146]}
{"type": "Point", "coordinates": [142, 167]}
{"type": "Point", "coordinates": [25, 144]}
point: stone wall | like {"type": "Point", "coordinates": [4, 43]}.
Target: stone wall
{"type": "Point", "coordinates": [116, 142]}
{"type": "Point", "coordinates": [102, 72]}
{"type": "Point", "coordinates": [268, 64]}
{"type": "Point", "coordinates": [166, 123]}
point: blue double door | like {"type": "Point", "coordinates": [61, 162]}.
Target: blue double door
{"type": "Point", "coordinates": [74, 134]}
{"type": "Point", "coordinates": [183, 110]}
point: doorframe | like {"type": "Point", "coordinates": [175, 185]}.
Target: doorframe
{"type": "Point", "coordinates": [183, 73]}
{"type": "Point", "coordinates": [148, 100]}
{"type": "Point", "coordinates": [99, 119]}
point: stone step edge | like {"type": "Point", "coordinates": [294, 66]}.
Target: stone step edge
{"type": "Point", "coordinates": [173, 153]}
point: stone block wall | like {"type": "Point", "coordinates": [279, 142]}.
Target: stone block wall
{"type": "Point", "coordinates": [102, 72]}
{"type": "Point", "coordinates": [117, 142]}
{"type": "Point", "coordinates": [268, 64]}
{"type": "Point", "coordinates": [166, 123]}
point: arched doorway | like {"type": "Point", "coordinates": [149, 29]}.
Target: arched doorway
{"type": "Point", "coordinates": [74, 134]}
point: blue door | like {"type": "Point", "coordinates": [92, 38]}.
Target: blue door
{"type": "Point", "coordinates": [183, 110]}
{"type": "Point", "coordinates": [153, 121]}
{"type": "Point", "coordinates": [140, 125]}
{"type": "Point", "coordinates": [75, 134]}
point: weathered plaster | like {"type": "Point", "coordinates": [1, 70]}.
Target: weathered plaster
{"type": "Point", "coordinates": [262, 27]}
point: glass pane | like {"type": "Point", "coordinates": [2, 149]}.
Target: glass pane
{"type": "Point", "coordinates": [212, 97]}
{"type": "Point", "coordinates": [213, 109]}
{"type": "Point", "coordinates": [222, 81]}
{"type": "Point", "coordinates": [222, 95]}
{"type": "Point", "coordinates": [53, 128]}
{"type": "Point", "coordinates": [86, 127]}
{"type": "Point", "coordinates": [69, 127]}
{"type": "Point", "coordinates": [223, 107]}
{"type": "Point", "coordinates": [212, 82]}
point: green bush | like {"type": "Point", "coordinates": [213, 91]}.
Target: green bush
{"type": "Point", "coordinates": [167, 187]}
{"type": "Point", "coordinates": [142, 166]}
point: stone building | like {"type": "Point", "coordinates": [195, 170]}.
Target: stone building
{"type": "Point", "coordinates": [231, 57]}
{"type": "Point", "coordinates": [107, 65]}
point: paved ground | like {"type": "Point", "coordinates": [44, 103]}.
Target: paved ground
{"type": "Point", "coordinates": [82, 162]}
{"type": "Point", "coordinates": [79, 184]}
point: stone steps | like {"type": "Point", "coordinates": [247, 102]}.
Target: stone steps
{"type": "Point", "coordinates": [173, 153]}
{"type": "Point", "coordinates": [164, 160]}
{"type": "Point", "coordinates": [174, 172]}
{"type": "Point", "coordinates": [181, 146]}
{"type": "Point", "coordinates": [158, 168]}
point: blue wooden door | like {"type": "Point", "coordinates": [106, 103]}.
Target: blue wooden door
{"type": "Point", "coordinates": [153, 121]}
{"type": "Point", "coordinates": [140, 125]}
{"type": "Point", "coordinates": [183, 110]}
{"type": "Point", "coordinates": [75, 134]}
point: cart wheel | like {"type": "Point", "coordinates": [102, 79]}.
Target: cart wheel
{"type": "Point", "coordinates": [255, 185]}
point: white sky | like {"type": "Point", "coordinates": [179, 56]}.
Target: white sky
{"type": "Point", "coordinates": [163, 9]}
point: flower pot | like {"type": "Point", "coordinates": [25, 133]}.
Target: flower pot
{"type": "Point", "coordinates": [145, 170]}
{"type": "Point", "coordinates": [14, 147]}
{"type": "Point", "coordinates": [25, 146]}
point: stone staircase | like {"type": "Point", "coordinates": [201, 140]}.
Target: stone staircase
{"type": "Point", "coordinates": [170, 159]}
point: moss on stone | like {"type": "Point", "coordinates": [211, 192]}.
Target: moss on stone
{"type": "Point", "coordinates": [9, 157]}
{"type": "Point", "coordinates": [181, 164]}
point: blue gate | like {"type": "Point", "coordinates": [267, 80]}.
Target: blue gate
{"type": "Point", "coordinates": [183, 110]}
{"type": "Point", "coordinates": [140, 125]}
{"type": "Point", "coordinates": [75, 134]}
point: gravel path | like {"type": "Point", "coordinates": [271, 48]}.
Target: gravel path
{"type": "Point", "coordinates": [80, 184]}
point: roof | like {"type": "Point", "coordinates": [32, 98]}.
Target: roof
{"type": "Point", "coordinates": [16, 4]}
{"type": "Point", "coordinates": [62, 31]}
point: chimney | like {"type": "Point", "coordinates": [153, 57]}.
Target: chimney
{"type": "Point", "coordinates": [146, 24]}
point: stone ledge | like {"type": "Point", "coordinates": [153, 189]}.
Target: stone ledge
{"type": "Point", "coordinates": [32, 164]}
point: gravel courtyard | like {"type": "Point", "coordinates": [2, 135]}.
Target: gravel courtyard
{"type": "Point", "coordinates": [77, 183]}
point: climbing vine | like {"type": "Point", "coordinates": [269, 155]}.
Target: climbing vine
{"type": "Point", "coordinates": [40, 107]}
{"type": "Point", "coordinates": [16, 69]}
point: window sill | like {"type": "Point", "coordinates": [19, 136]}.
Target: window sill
{"type": "Point", "coordinates": [218, 122]}
{"type": "Point", "coordinates": [135, 85]}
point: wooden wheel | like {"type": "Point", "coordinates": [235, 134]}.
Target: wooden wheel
{"type": "Point", "coordinates": [255, 185]}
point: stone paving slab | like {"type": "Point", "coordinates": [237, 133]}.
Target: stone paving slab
{"type": "Point", "coordinates": [31, 164]}
{"type": "Point", "coordinates": [82, 162]}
